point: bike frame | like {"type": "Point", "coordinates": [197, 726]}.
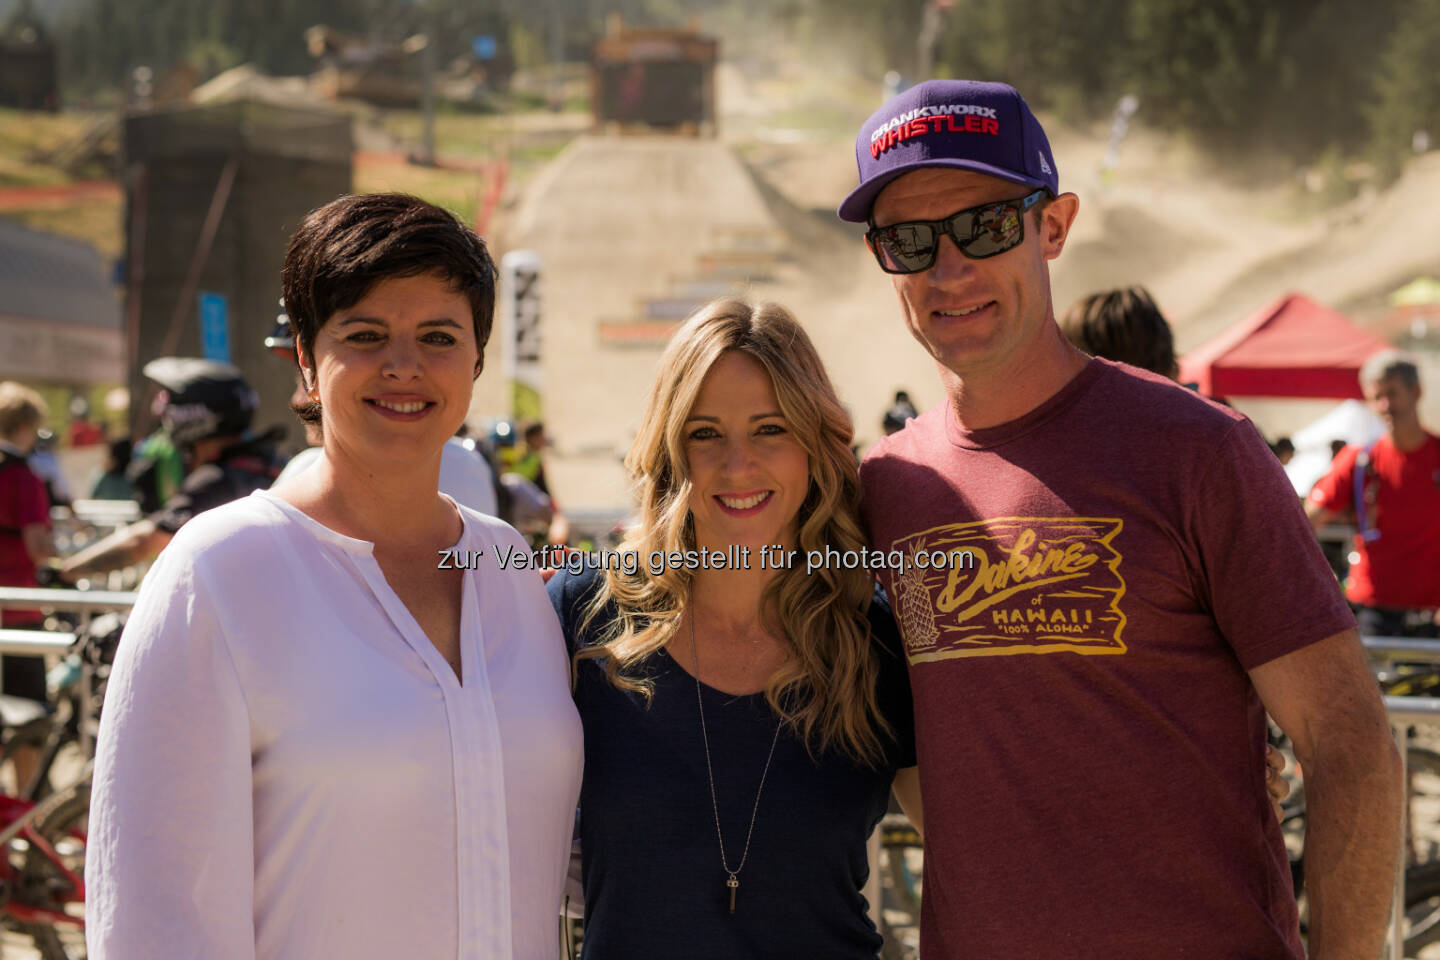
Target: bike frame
{"type": "Point", "coordinates": [17, 817]}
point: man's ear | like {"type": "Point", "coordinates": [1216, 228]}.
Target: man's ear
{"type": "Point", "coordinates": [1055, 222]}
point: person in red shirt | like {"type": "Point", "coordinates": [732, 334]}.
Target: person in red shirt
{"type": "Point", "coordinates": [24, 506]}
{"type": "Point", "coordinates": [1392, 491]}
{"type": "Point", "coordinates": [25, 543]}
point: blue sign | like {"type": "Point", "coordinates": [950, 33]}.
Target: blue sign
{"type": "Point", "coordinates": [215, 326]}
{"type": "Point", "coordinates": [484, 47]}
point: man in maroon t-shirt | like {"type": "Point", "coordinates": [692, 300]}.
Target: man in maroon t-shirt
{"type": "Point", "coordinates": [1395, 585]}
{"type": "Point", "coordinates": [1103, 582]}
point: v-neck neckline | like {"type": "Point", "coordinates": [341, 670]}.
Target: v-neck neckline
{"type": "Point", "coordinates": [395, 609]}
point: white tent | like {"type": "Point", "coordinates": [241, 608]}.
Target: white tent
{"type": "Point", "coordinates": [1351, 421]}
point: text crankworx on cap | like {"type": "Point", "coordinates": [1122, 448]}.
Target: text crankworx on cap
{"type": "Point", "coordinates": [964, 124]}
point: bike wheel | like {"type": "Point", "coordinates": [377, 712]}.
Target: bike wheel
{"type": "Point", "coordinates": [1422, 906]}
{"type": "Point", "coordinates": [1419, 683]}
{"type": "Point", "coordinates": [43, 884]}
{"type": "Point", "coordinates": [1422, 805]}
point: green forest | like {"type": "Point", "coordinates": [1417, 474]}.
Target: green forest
{"type": "Point", "coordinates": [1302, 78]}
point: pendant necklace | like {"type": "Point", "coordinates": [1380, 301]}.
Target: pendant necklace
{"type": "Point", "coordinates": [732, 875]}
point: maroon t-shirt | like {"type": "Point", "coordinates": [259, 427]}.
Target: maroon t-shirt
{"type": "Point", "coordinates": [23, 503]}
{"type": "Point", "coordinates": [1091, 749]}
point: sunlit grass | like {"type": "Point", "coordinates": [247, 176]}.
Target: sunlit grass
{"type": "Point", "coordinates": [96, 221]}
{"type": "Point", "coordinates": [456, 190]}
{"type": "Point", "coordinates": [25, 136]}
{"type": "Point", "coordinates": [526, 142]}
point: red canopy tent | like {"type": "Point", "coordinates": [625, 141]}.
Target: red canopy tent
{"type": "Point", "coordinates": [1292, 348]}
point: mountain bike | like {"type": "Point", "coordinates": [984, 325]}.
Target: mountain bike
{"type": "Point", "coordinates": [43, 827]}
{"type": "Point", "coordinates": [42, 875]}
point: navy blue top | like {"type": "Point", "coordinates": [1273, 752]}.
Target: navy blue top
{"type": "Point", "coordinates": [654, 885]}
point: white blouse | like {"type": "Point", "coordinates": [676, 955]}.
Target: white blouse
{"type": "Point", "coordinates": [288, 768]}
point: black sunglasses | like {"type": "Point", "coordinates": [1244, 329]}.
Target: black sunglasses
{"type": "Point", "coordinates": [978, 232]}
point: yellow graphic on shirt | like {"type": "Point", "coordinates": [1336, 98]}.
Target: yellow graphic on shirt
{"type": "Point", "coordinates": [1028, 585]}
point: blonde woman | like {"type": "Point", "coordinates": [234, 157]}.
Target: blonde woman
{"type": "Point", "coordinates": [744, 718]}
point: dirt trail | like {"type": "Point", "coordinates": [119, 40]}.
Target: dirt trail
{"type": "Point", "coordinates": [634, 230]}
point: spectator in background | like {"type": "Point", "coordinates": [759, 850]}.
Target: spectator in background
{"type": "Point", "coordinates": [1335, 447]}
{"type": "Point", "coordinates": [530, 463]}
{"type": "Point", "coordinates": [1392, 489]}
{"type": "Point", "coordinates": [25, 544]}
{"type": "Point", "coordinates": [206, 409]}
{"type": "Point", "coordinates": [900, 411]}
{"type": "Point", "coordinates": [158, 468]}
{"type": "Point", "coordinates": [527, 494]}
{"type": "Point", "coordinates": [1284, 450]}
{"type": "Point", "coordinates": [47, 468]}
{"type": "Point", "coordinates": [113, 483]}
{"type": "Point", "coordinates": [1125, 325]}
{"type": "Point", "coordinates": [83, 432]}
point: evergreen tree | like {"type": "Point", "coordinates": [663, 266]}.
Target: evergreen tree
{"type": "Point", "coordinates": [1407, 86]}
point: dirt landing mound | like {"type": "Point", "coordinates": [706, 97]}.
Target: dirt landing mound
{"type": "Point", "coordinates": [635, 233]}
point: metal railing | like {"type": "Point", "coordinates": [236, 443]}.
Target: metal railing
{"type": "Point", "coordinates": [1384, 653]}
{"type": "Point", "coordinates": [86, 604]}
{"type": "Point", "coordinates": [35, 643]}
{"type": "Point", "coordinates": [67, 601]}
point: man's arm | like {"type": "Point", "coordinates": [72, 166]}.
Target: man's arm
{"type": "Point", "coordinates": [1326, 700]}
{"type": "Point", "coordinates": [38, 542]}
{"type": "Point", "coordinates": [1319, 516]}
{"type": "Point", "coordinates": [125, 547]}
{"type": "Point", "coordinates": [1333, 495]}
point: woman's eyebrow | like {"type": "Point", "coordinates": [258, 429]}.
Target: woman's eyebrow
{"type": "Point", "coordinates": [709, 419]}
{"type": "Point", "coordinates": [437, 322]}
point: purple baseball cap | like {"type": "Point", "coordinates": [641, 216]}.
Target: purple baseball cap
{"type": "Point", "coordinates": [966, 124]}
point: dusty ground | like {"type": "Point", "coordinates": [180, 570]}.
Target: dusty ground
{"type": "Point", "coordinates": [631, 225]}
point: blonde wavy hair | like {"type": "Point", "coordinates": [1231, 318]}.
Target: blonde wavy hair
{"type": "Point", "coordinates": [826, 690]}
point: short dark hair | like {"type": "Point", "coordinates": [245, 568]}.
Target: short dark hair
{"type": "Point", "coordinates": [1390, 365]}
{"type": "Point", "coordinates": [1123, 325]}
{"type": "Point", "coordinates": [343, 249]}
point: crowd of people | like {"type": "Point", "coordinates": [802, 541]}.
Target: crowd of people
{"type": "Point", "coordinates": [318, 741]}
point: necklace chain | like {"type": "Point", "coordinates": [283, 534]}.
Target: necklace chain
{"type": "Point", "coordinates": [733, 874]}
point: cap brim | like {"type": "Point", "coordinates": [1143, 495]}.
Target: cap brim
{"type": "Point", "coordinates": [856, 207]}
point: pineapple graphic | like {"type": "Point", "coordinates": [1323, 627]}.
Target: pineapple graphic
{"type": "Point", "coordinates": [917, 615]}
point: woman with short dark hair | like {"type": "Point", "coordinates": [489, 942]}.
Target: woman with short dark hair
{"type": "Point", "coordinates": [337, 726]}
